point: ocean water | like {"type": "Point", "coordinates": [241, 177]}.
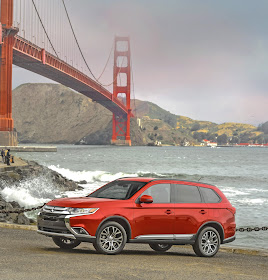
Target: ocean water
{"type": "Point", "coordinates": [240, 173]}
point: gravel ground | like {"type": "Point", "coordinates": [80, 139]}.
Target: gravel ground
{"type": "Point", "coordinates": [28, 255]}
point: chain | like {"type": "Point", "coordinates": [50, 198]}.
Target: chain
{"type": "Point", "coordinates": [21, 210]}
{"type": "Point", "coordinates": [249, 229]}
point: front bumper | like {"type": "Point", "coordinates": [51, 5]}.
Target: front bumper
{"type": "Point", "coordinates": [57, 224]}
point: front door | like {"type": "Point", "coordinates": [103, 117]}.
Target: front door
{"type": "Point", "coordinates": [155, 220]}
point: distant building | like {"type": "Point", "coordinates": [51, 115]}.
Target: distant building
{"type": "Point", "coordinates": [208, 143]}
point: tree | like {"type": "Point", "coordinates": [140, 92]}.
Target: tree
{"type": "Point", "coordinates": [195, 127]}
{"type": "Point", "coordinates": [222, 139]}
{"type": "Point", "coordinates": [156, 127]}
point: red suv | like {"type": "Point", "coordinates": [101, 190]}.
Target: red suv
{"type": "Point", "coordinates": [158, 212]}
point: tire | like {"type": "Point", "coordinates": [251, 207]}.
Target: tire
{"type": "Point", "coordinates": [110, 239]}
{"type": "Point", "coordinates": [207, 243]}
{"type": "Point", "coordinates": [65, 243]}
{"type": "Point", "coordinates": [160, 247]}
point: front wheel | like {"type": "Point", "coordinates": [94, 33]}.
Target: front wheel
{"type": "Point", "coordinates": [65, 243]}
{"type": "Point", "coordinates": [110, 239]}
{"type": "Point", "coordinates": [207, 243]}
{"type": "Point", "coordinates": [161, 247]}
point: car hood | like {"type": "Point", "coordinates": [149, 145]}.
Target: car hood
{"type": "Point", "coordinates": [81, 202]}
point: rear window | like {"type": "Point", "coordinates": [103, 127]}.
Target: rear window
{"type": "Point", "coordinates": [210, 195]}
{"type": "Point", "coordinates": [118, 190]}
{"type": "Point", "coordinates": [185, 194]}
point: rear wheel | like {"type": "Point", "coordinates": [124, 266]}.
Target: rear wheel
{"type": "Point", "coordinates": [65, 243]}
{"type": "Point", "coordinates": [207, 243]}
{"type": "Point", "coordinates": [160, 247]}
{"type": "Point", "coordinates": [110, 239]}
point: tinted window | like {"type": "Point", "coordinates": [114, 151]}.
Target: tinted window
{"type": "Point", "coordinates": [118, 190]}
{"type": "Point", "coordinates": [185, 194]}
{"type": "Point", "coordinates": [209, 195]}
{"type": "Point", "coordinates": [160, 193]}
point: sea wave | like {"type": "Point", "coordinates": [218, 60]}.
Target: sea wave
{"type": "Point", "coordinates": [31, 193]}
{"type": "Point", "coordinates": [89, 176]}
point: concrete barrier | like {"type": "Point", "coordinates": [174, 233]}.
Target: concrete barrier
{"type": "Point", "coordinates": [30, 148]}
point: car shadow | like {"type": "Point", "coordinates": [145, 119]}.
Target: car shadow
{"type": "Point", "coordinates": [124, 252]}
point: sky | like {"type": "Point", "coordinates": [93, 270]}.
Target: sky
{"type": "Point", "coordinates": [204, 59]}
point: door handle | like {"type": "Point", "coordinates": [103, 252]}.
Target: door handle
{"type": "Point", "coordinates": [168, 212]}
{"type": "Point", "coordinates": [202, 212]}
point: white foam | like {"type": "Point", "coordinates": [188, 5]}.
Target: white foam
{"type": "Point", "coordinates": [30, 193]}
{"type": "Point", "coordinates": [232, 192]}
{"type": "Point", "coordinates": [253, 201]}
{"type": "Point", "coordinates": [89, 176]}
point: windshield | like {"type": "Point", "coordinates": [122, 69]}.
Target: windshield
{"type": "Point", "coordinates": [118, 190]}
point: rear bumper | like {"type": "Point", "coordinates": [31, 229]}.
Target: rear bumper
{"type": "Point", "coordinates": [228, 240]}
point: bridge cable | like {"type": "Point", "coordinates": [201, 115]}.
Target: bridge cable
{"type": "Point", "coordinates": [44, 29]}
{"type": "Point", "coordinates": [97, 79]}
{"type": "Point", "coordinates": [77, 41]}
{"type": "Point", "coordinates": [106, 62]}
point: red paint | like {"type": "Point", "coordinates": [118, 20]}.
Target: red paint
{"type": "Point", "coordinates": [121, 122]}
{"type": "Point", "coordinates": [6, 57]}
{"type": "Point", "coordinates": [146, 217]}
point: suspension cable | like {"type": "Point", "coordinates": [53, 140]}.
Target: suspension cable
{"type": "Point", "coordinates": [77, 41]}
{"type": "Point", "coordinates": [44, 29]}
{"type": "Point", "coordinates": [106, 62]}
{"type": "Point", "coordinates": [97, 79]}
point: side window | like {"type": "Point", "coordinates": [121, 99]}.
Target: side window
{"type": "Point", "coordinates": [160, 193]}
{"type": "Point", "coordinates": [209, 195]}
{"type": "Point", "coordinates": [185, 194]}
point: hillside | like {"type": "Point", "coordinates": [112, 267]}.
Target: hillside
{"type": "Point", "coordinates": [52, 113]}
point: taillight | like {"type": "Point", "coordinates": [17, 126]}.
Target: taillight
{"type": "Point", "coordinates": [232, 210]}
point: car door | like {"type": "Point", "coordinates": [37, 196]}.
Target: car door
{"type": "Point", "coordinates": [189, 210]}
{"type": "Point", "coordinates": [155, 220]}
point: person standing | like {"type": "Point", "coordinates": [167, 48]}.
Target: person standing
{"type": "Point", "coordinates": [2, 155]}
{"type": "Point", "coordinates": [8, 157]}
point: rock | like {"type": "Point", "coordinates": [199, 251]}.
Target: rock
{"type": "Point", "coordinates": [18, 176]}
{"type": "Point", "coordinates": [23, 220]}
{"type": "Point", "coordinates": [82, 182]}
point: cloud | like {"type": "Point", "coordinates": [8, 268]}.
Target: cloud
{"type": "Point", "coordinates": [206, 59]}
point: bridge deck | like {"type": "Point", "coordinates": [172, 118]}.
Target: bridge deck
{"type": "Point", "coordinates": [33, 58]}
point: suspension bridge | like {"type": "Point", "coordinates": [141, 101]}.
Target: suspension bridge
{"type": "Point", "coordinates": [39, 36]}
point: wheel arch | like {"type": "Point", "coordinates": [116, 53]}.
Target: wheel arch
{"type": "Point", "coordinates": [120, 220]}
{"type": "Point", "coordinates": [215, 225]}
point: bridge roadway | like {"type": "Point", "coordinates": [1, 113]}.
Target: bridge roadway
{"type": "Point", "coordinates": [26, 255]}
{"type": "Point", "coordinates": [31, 57]}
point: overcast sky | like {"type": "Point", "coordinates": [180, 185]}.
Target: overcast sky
{"type": "Point", "coordinates": [205, 59]}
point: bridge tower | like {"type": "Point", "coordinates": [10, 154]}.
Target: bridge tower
{"type": "Point", "coordinates": [8, 137]}
{"type": "Point", "coordinates": [121, 123]}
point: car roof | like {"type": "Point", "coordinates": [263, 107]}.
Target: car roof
{"type": "Point", "coordinates": [149, 179]}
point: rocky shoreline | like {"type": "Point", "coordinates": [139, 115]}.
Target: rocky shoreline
{"type": "Point", "coordinates": [19, 174]}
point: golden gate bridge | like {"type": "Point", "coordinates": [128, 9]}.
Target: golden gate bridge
{"type": "Point", "coordinates": [38, 36]}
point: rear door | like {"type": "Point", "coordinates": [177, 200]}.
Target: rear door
{"type": "Point", "coordinates": [155, 220]}
{"type": "Point", "coordinates": [189, 209]}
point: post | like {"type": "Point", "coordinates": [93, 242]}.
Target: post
{"type": "Point", "coordinates": [8, 137]}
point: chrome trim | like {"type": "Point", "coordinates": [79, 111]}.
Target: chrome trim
{"type": "Point", "coordinates": [165, 236]}
{"type": "Point", "coordinates": [68, 225]}
{"type": "Point", "coordinates": [155, 236]}
{"type": "Point", "coordinates": [56, 210]}
{"type": "Point", "coordinates": [47, 233]}
{"type": "Point", "coordinates": [183, 236]}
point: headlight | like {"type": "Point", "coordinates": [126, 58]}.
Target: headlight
{"type": "Point", "coordinates": [83, 210]}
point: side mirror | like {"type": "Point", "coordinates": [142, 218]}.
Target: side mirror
{"type": "Point", "coordinates": [146, 199]}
